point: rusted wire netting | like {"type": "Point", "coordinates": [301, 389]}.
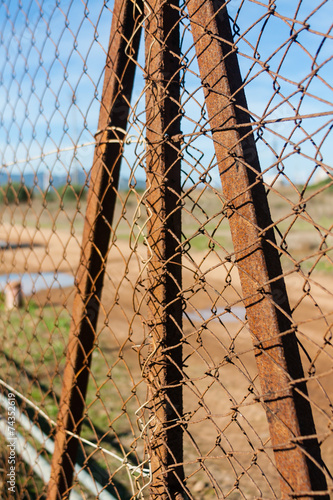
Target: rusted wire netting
{"type": "Point", "coordinates": [166, 249]}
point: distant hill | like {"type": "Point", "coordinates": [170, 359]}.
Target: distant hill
{"type": "Point", "coordinates": [44, 179]}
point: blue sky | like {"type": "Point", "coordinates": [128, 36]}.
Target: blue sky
{"type": "Point", "coordinates": [51, 69]}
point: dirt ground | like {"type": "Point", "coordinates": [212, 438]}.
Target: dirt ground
{"type": "Point", "coordinates": [235, 447]}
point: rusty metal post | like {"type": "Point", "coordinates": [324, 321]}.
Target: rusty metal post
{"type": "Point", "coordinates": [289, 414]}
{"type": "Point", "coordinates": [118, 83]}
{"type": "Point", "coordinates": [164, 366]}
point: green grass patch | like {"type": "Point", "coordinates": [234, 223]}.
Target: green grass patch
{"type": "Point", "coordinates": [322, 266]}
{"type": "Point", "coordinates": [34, 341]}
{"type": "Point", "coordinates": [327, 183]}
{"type": "Point", "coordinates": [72, 192]}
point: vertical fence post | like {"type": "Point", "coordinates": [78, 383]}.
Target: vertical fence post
{"type": "Point", "coordinates": [164, 235]}
{"type": "Point", "coordinates": [117, 89]}
{"type": "Point", "coordinates": [284, 394]}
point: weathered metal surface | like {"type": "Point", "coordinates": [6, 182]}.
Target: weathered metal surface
{"type": "Point", "coordinates": [117, 89]}
{"type": "Point", "coordinates": [288, 411]}
{"type": "Point", "coordinates": [164, 366]}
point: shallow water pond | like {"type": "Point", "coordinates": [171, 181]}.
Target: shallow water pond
{"type": "Point", "coordinates": [35, 282]}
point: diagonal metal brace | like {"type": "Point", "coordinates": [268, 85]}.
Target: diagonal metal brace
{"type": "Point", "coordinates": [288, 410]}
{"type": "Point", "coordinates": [115, 104]}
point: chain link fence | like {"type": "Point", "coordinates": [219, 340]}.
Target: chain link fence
{"type": "Point", "coordinates": [166, 249]}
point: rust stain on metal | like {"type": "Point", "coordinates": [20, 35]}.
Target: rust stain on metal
{"type": "Point", "coordinates": [117, 89]}
{"type": "Point", "coordinates": [164, 234]}
{"type": "Point", "coordinates": [279, 365]}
